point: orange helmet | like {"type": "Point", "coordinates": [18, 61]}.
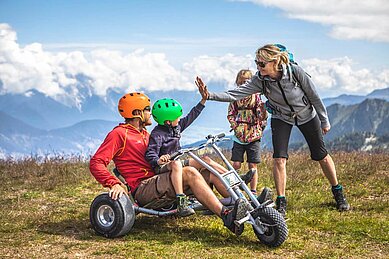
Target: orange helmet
{"type": "Point", "coordinates": [131, 102]}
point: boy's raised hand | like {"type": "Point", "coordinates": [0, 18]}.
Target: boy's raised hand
{"type": "Point", "coordinates": [202, 90]}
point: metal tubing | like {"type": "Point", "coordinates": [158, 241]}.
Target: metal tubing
{"type": "Point", "coordinates": [155, 212]}
{"type": "Point", "coordinates": [214, 172]}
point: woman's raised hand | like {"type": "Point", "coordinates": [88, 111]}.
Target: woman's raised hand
{"type": "Point", "coordinates": [202, 88]}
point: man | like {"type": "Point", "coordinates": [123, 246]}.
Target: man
{"type": "Point", "coordinates": [126, 145]}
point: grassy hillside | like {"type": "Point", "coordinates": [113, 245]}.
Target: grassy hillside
{"type": "Point", "coordinates": [44, 214]}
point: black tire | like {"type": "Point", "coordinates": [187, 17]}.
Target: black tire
{"type": "Point", "coordinates": [111, 218]}
{"type": "Point", "coordinates": [276, 230]}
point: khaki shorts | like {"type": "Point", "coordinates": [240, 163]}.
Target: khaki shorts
{"type": "Point", "coordinates": [158, 191]}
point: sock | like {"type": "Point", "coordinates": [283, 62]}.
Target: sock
{"type": "Point", "coordinates": [254, 191]}
{"type": "Point", "coordinates": [180, 195]}
{"type": "Point", "coordinates": [280, 196]}
{"type": "Point", "coordinates": [224, 211]}
{"type": "Point", "coordinates": [337, 187]}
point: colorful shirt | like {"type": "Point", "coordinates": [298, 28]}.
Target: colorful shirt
{"type": "Point", "coordinates": [126, 146]}
{"type": "Point", "coordinates": [247, 118]}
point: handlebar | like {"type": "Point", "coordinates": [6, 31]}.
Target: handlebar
{"type": "Point", "coordinates": [216, 137]}
{"type": "Point", "coordinates": [210, 140]}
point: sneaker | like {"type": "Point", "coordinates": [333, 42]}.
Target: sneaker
{"type": "Point", "coordinates": [238, 212]}
{"type": "Point", "coordinates": [248, 176]}
{"type": "Point", "coordinates": [341, 202]}
{"type": "Point", "coordinates": [182, 206]}
{"type": "Point", "coordinates": [281, 205]}
{"type": "Point", "coordinates": [266, 195]}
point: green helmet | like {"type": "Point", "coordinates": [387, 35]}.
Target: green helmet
{"type": "Point", "coordinates": [166, 110]}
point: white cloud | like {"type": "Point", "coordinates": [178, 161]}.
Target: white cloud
{"type": "Point", "coordinates": [218, 69]}
{"type": "Point", "coordinates": [56, 73]}
{"type": "Point", "coordinates": [23, 68]}
{"type": "Point", "coordinates": [336, 76]}
{"type": "Point", "coordinates": [349, 19]}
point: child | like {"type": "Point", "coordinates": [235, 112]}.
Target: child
{"type": "Point", "coordinates": [165, 140]}
{"type": "Point", "coordinates": [248, 120]}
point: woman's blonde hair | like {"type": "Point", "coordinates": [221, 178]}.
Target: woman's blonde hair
{"type": "Point", "coordinates": [270, 52]}
{"type": "Point", "coordinates": [244, 72]}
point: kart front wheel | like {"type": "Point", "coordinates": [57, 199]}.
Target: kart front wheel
{"type": "Point", "coordinates": [276, 230]}
{"type": "Point", "coordinates": [112, 218]}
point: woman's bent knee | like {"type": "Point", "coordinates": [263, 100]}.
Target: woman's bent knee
{"type": "Point", "coordinates": [325, 160]}
{"type": "Point", "coordinates": [280, 161]}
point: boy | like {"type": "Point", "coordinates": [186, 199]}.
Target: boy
{"type": "Point", "coordinates": [165, 140]}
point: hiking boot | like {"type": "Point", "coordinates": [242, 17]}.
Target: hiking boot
{"type": "Point", "coordinates": [238, 212]}
{"type": "Point", "coordinates": [248, 176]}
{"type": "Point", "coordinates": [281, 205]}
{"type": "Point", "coordinates": [266, 195]}
{"type": "Point", "coordinates": [341, 202]}
{"type": "Point", "coordinates": [182, 206]}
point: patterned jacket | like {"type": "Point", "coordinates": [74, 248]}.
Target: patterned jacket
{"type": "Point", "coordinates": [248, 118]}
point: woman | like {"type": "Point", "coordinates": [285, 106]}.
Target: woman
{"type": "Point", "coordinates": [292, 100]}
{"type": "Point", "coordinates": [247, 118]}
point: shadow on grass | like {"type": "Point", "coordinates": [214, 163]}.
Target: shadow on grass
{"type": "Point", "coordinates": [161, 230]}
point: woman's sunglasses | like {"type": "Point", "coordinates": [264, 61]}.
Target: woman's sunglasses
{"type": "Point", "coordinates": [260, 63]}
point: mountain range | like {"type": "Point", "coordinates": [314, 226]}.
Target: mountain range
{"type": "Point", "coordinates": [33, 123]}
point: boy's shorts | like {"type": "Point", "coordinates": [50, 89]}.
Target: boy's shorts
{"type": "Point", "coordinates": [253, 151]}
{"type": "Point", "coordinates": [158, 191]}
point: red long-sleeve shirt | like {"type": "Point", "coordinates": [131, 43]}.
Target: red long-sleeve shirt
{"type": "Point", "coordinates": [126, 146]}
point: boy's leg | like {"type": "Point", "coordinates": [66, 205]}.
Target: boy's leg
{"type": "Point", "coordinates": [254, 158]}
{"type": "Point", "coordinates": [254, 181]}
{"type": "Point", "coordinates": [236, 165]}
{"type": "Point", "coordinates": [176, 176]}
{"type": "Point", "coordinates": [177, 181]}
{"type": "Point", "coordinates": [237, 155]}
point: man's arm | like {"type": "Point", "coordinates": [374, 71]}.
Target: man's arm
{"type": "Point", "coordinates": [103, 156]}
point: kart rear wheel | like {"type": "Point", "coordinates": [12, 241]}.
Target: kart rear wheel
{"type": "Point", "coordinates": [276, 230]}
{"type": "Point", "coordinates": [111, 218]}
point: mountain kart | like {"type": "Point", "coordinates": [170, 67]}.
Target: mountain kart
{"type": "Point", "coordinates": [114, 218]}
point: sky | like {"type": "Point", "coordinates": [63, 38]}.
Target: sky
{"type": "Point", "coordinates": [163, 45]}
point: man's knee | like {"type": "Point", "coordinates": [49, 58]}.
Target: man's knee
{"type": "Point", "coordinates": [207, 159]}
{"type": "Point", "coordinates": [191, 173]}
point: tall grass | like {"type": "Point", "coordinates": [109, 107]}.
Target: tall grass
{"type": "Point", "coordinates": [44, 206]}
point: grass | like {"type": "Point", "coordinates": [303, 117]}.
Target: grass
{"type": "Point", "coordinates": [44, 206]}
